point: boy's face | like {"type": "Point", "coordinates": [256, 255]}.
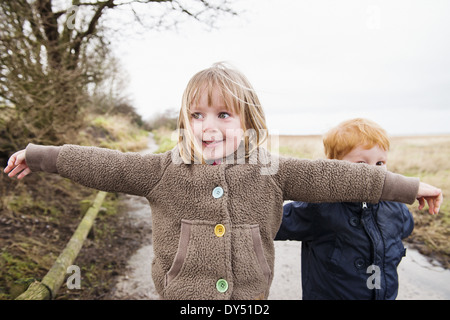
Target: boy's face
{"type": "Point", "coordinates": [375, 156]}
{"type": "Point", "coordinates": [215, 127]}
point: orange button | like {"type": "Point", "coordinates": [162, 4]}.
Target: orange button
{"type": "Point", "coordinates": [219, 230]}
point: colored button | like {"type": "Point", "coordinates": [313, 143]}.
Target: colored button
{"type": "Point", "coordinates": [219, 230]}
{"type": "Point", "coordinates": [222, 285]}
{"type": "Point", "coordinates": [217, 192]}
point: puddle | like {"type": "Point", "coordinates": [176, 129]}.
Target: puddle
{"type": "Point", "coordinates": [419, 279]}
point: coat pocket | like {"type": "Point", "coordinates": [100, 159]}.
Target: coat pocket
{"type": "Point", "coordinates": [180, 256]}
{"type": "Point", "coordinates": [199, 263]}
{"type": "Point", "coordinates": [252, 273]}
{"type": "Point", "coordinates": [203, 258]}
{"type": "Point", "coordinates": [259, 252]}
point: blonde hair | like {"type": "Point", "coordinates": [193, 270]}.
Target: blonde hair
{"type": "Point", "coordinates": [349, 134]}
{"type": "Point", "coordinates": [239, 96]}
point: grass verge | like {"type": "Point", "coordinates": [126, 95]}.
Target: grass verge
{"type": "Point", "coordinates": [39, 214]}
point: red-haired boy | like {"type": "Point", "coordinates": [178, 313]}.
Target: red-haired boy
{"type": "Point", "coordinates": [350, 250]}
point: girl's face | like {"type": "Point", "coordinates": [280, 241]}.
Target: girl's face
{"type": "Point", "coordinates": [216, 128]}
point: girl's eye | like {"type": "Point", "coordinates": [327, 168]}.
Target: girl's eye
{"type": "Point", "coordinates": [224, 115]}
{"type": "Point", "coordinates": [361, 162]}
{"type": "Point", "coordinates": [380, 163]}
{"type": "Point", "coordinates": [196, 115]}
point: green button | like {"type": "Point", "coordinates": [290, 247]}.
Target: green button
{"type": "Point", "coordinates": [222, 285]}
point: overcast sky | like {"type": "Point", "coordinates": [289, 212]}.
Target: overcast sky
{"type": "Point", "coordinates": [313, 63]}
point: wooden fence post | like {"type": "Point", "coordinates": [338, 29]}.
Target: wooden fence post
{"type": "Point", "coordinates": [48, 288]}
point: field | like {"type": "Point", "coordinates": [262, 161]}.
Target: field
{"type": "Point", "coordinates": [426, 157]}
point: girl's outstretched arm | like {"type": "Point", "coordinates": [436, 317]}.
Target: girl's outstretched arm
{"type": "Point", "coordinates": [17, 165]}
{"type": "Point", "coordinates": [432, 195]}
{"type": "Point", "coordinates": [341, 181]}
{"type": "Point", "coordinates": [98, 168]}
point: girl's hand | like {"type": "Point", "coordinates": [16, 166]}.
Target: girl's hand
{"type": "Point", "coordinates": [433, 196]}
{"type": "Point", "coordinates": [17, 164]}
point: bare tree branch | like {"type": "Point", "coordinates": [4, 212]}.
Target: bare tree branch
{"type": "Point", "coordinates": [51, 56]}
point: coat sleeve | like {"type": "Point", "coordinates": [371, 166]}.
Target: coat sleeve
{"type": "Point", "coordinates": [297, 223]}
{"type": "Point", "coordinates": [408, 221]}
{"type": "Point", "coordinates": [99, 168]}
{"type": "Point", "coordinates": [341, 181]}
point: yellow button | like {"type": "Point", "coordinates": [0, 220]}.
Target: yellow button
{"type": "Point", "coordinates": [219, 230]}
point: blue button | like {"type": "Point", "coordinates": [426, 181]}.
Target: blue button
{"type": "Point", "coordinates": [359, 263]}
{"type": "Point", "coordinates": [354, 221]}
{"type": "Point", "coordinates": [217, 192]}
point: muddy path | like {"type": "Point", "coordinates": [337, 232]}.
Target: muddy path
{"type": "Point", "coordinates": [420, 278]}
{"type": "Point", "coordinates": [136, 282]}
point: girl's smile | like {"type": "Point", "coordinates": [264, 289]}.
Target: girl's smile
{"type": "Point", "coordinates": [211, 144]}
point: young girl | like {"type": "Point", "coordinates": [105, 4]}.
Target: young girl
{"type": "Point", "coordinates": [215, 208]}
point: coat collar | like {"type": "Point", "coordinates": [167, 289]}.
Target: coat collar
{"type": "Point", "coordinates": [238, 157]}
{"type": "Point", "coordinates": [358, 206]}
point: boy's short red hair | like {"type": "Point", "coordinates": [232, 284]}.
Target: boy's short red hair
{"type": "Point", "coordinates": [349, 134]}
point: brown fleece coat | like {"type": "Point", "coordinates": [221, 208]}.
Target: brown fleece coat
{"type": "Point", "coordinates": [189, 257]}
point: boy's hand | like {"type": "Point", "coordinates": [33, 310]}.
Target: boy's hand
{"type": "Point", "coordinates": [433, 196]}
{"type": "Point", "coordinates": [17, 164]}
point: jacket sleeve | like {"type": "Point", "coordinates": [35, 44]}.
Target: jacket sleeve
{"type": "Point", "coordinates": [341, 181]}
{"type": "Point", "coordinates": [408, 221]}
{"type": "Point", "coordinates": [297, 223]}
{"type": "Point", "coordinates": [99, 168]}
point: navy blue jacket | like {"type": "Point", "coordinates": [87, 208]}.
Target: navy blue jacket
{"type": "Point", "coordinates": [349, 250]}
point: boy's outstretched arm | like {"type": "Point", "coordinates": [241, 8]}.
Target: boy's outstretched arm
{"type": "Point", "coordinates": [17, 165]}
